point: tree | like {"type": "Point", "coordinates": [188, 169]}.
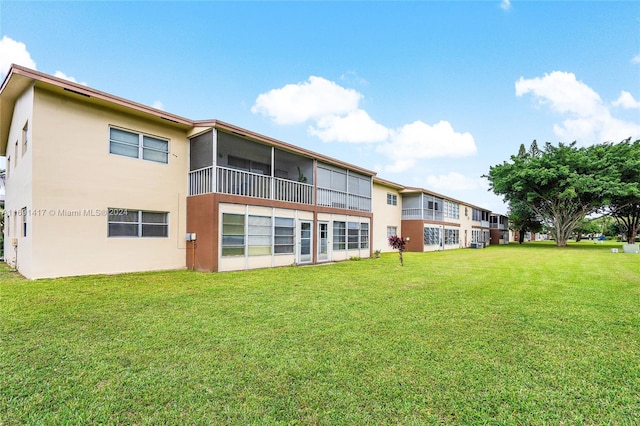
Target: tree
{"type": "Point", "coordinates": [624, 204]}
{"type": "Point", "coordinates": [561, 184]}
{"type": "Point", "coordinates": [586, 227]}
{"type": "Point", "coordinates": [523, 219]}
{"type": "Point", "coordinates": [399, 244]}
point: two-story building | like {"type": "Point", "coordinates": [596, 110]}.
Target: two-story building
{"type": "Point", "coordinates": [100, 184]}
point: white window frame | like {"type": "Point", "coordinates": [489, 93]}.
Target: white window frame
{"type": "Point", "coordinates": [364, 235]}
{"type": "Point", "coordinates": [339, 235]}
{"type": "Point", "coordinates": [282, 231]}
{"type": "Point", "coordinates": [392, 199]}
{"type": "Point", "coordinates": [139, 223]}
{"type": "Point", "coordinates": [140, 146]}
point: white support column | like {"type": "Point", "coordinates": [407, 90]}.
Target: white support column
{"type": "Point", "coordinates": [214, 163]}
{"type": "Point", "coordinates": [272, 194]}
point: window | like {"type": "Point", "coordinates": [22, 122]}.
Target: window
{"type": "Point", "coordinates": [451, 210]}
{"type": "Point", "coordinates": [137, 145]}
{"type": "Point", "coordinates": [364, 235]}
{"type": "Point", "coordinates": [232, 234]}
{"type": "Point", "coordinates": [339, 235]}
{"type": "Point", "coordinates": [23, 213]}
{"type": "Point", "coordinates": [138, 223]}
{"type": "Point", "coordinates": [451, 236]}
{"type": "Point", "coordinates": [392, 231]}
{"type": "Point", "coordinates": [392, 199]}
{"type": "Point", "coordinates": [431, 236]}
{"type": "Point", "coordinates": [249, 165]}
{"type": "Point", "coordinates": [284, 235]}
{"type": "Point", "coordinates": [353, 232]}
{"type": "Point", "coordinates": [480, 215]}
{"type": "Point", "coordinates": [25, 137]}
{"type": "Point", "coordinates": [262, 236]}
{"type": "Point", "coordinates": [259, 235]}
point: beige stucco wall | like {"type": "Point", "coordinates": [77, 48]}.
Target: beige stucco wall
{"type": "Point", "coordinates": [74, 173]}
{"type": "Point", "coordinates": [466, 224]}
{"type": "Point", "coordinates": [385, 215]}
{"type": "Point", "coordinates": [18, 187]}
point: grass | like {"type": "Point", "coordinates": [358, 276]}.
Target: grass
{"type": "Point", "coordinates": [528, 334]}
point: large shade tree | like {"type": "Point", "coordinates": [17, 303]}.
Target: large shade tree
{"type": "Point", "coordinates": [624, 197]}
{"type": "Point", "coordinates": [561, 184]}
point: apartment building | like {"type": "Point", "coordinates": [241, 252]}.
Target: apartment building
{"type": "Point", "coordinates": [427, 220]}
{"type": "Point", "coordinates": [100, 184]}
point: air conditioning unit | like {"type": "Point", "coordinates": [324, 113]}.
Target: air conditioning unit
{"type": "Point", "coordinates": [14, 242]}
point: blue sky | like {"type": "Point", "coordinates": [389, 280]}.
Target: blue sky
{"type": "Point", "coordinates": [425, 93]}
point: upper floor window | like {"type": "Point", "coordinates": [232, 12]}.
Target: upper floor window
{"type": "Point", "coordinates": [451, 210]}
{"type": "Point", "coordinates": [25, 137]}
{"type": "Point", "coordinates": [138, 145]}
{"type": "Point", "coordinates": [392, 199]}
{"type": "Point", "coordinates": [480, 215]}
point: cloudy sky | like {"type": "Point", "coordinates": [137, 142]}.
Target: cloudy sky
{"type": "Point", "coordinates": [424, 93]}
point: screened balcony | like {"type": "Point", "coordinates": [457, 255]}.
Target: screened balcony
{"type": "Point", "coordinates": [421, 207]}
{"type": "Point", "coordinates": [250, 169]}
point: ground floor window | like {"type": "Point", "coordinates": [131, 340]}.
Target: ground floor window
{"type": "Point", "coordinates": [350, 235]}
{"type": "Point", "coordinates": [262, 235]}
{"type": "Point", "coordinates": [232, 234]}
{"type": "Point", "coordinates": [259, 235]}
{"type": "Point", "coordinates": [479, 236]}
{"type": "Point", "coordinates": [392, 231]}
{"type": "Point", "coordinates": [284, 235]}
{"type": "Point", "coordinates": [364, 235]}
{"type": "Point", "coordinates": [24, 221]}
{"type": "Point", "coordinates": [431, 236]}
{"type": "Point", "coordinates": [137, 223]}
{"type": "Point", "coordinates": [353, 232]}
{"type": "Point", "coordinates": [451, 236]}
{"type": "Point", "coordinates": [339, 235]}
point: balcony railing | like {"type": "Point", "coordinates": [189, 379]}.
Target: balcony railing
{"type": "Point", "coordinates": [293, 192]}
{"type": "Point", "coordinates": [421, 214]}
{"type": "Point", "coordinates": [343, 200]}
{"type": "Point", "coordinates": [238, 182]}
{"type": "Point", "coordinates": [498, 226]}
{"type": "Point", "coordinates": [200, 181]}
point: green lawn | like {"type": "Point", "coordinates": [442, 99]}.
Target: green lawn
{"type": "Point", "coordinates": [528, 334]}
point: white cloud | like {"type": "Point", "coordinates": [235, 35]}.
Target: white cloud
{"type": "Point", "coordinates": [62, 75]}
{"type": "Point", "coordinates": [626, 100]}
{"type": "Point", "coordinates": [158, 105]}
{"type": "Point", "coordinates": [335, 116]}
{"type": "Point", "coordinates": [418, 140]}
{"type": "Point", "coordinates": [562, 92]}
{"type": "Point", "coordinates": [312, 99]}
{"type": "Point", "coordinates": [589, 119]}
{"type": "Point", "coordinates": [357, 126]}
{"type": "Point", "coordinates": [454, 181]}
{"type": "Point", "coordinates": [636, 59]}
{"type": "Point", "coordinates": [505, 4]}
{"type": "Point", "coordinates": [14, 52]}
